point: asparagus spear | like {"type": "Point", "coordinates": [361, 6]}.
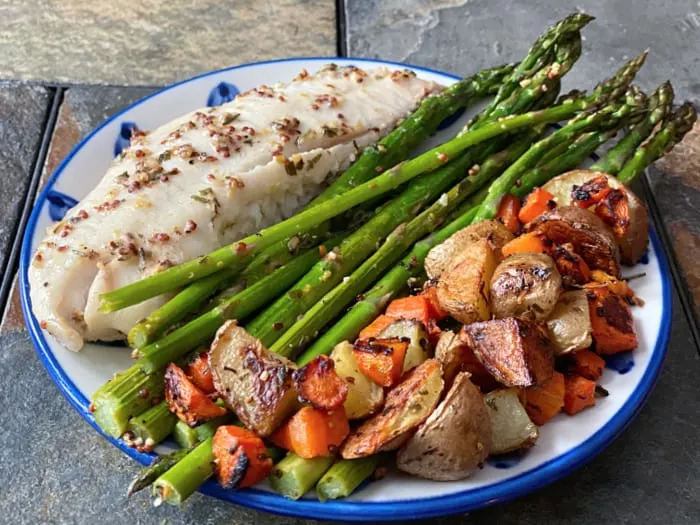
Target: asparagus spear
{"type": "Point", "coordinates": [672, 131]}
{"type": "Point", "coordinates": [160, 465]}
{"type": "Point", "coordinates": [660, 104]}
{"type": "Point", "coordinates": [345, 476]}
{"type": "Point", "coordinates": [179, 481]}
{"type": "Point", "coordinates": [202, 329]}
{"type": "Point", "coordinates": [295, 476]}
{"type": "Point", "coordinates": [151, 427]}
{"type": "Point", "coordinates": [316, 317]}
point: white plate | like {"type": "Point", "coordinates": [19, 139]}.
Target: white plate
{"type": "Point", "coordinates": [564, 444]}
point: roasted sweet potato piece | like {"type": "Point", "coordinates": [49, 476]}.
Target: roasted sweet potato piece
{"type": "Point", "coordinates": [587, 364]}
{"type": "Point", "coordinates": [319, 385]}
{"type": "Point", "coordinates": [199, 372]}
{"type": "Point", "coordinates": [516, 352]}
{"type": "Point", "coordinates": [589, 235]}
{"type": "Point", "coordinates": [545, 401]}
{"type": "Point", "coordinates": [572, 268]}
{"type": "Point", "coordinates": [240, 458]}
{"type": "Point", "coordinates": [407, 405]}
{"type": "Point", "coordinates": [186, 401]}
{"type": "Point", "coordinates": [381, 359]}
{"type": "Point", "coordinates": [611, 321]}
{"type": "Point", "coordinates": [255, 383]}
{"type": "Point", "coordinates": [579, 393]}
{"type": "Point", "coordinates": [313, 432]}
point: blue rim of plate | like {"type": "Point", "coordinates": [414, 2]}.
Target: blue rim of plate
{"type": "Point", "coordinates": [359, 511]}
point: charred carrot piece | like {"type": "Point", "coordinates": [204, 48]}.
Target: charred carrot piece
{"type": "Point", "coordinates": [587, 364]}
{"type": "Point", "coordinates": [416, 307]}
{"type": "Point", "coordinates": [508, 211]}
{"type": "Point", "coordinates": [545, 401]}
{"type": "Point", "coordinates": [376, 327]}
{"type": "Point", "coordinates": [527, 243]}
{"type": "Point", "coordinates": [579, 393]}
{"type": "Point", "coordinates": [536, 203]}
{"type": "Point", "coordinates": [611, 321]}
{"type": "Point", "coordinates": [240, 457]}
{"type": "Point", "coordinates": [381, 359]}
{"type": "Point", "coordinates": [200, 374]}
{"type": "Point", "coordinates": [187, 401]}
{"type": "Point", "coordinates": [313, 432]}
{"type": "Point", "coordinates": [319, 385]}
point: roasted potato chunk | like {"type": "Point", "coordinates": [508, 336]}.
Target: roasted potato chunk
{"type": "Point", "coordinates": [442, 255]}
{"type": "Point", "coordinates": [454, 440]}
{"type": "Point", "coordinates": [526, 286]}
{"type": "Point", "coordinates": [511, 427]}
{"type": "Point", "coordinates": [419, 344]}
{"type": "Point", "coordinates": [365, 396]}
{"type": "Point", "coordinates": [456, 356]}
{"type": "Point", "coordinates": [569, 324]}
{"type": "Point", "coordinates": [255, 383]}
{"type": "Point", "coordinates": [621, 209]}
{"type": "Point", "coordinates": [408, 404]}
{"type": "Point", "coordinates": [589, 235]}
{"type": "Point", "coordinates": [516, 352]}
{"type": "Point", "coordinates": [462, 289]}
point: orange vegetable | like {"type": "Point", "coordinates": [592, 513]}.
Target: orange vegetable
{"type": "Point", "coordinates": [436, 311]}
{"type": "Point", "coordinates": [508, 211]}
{"type": "Point", "coordinates": [579, 393]}
{"type": "Point", "coordinates": [587, 364]}
{"type": "Point", "coordinates": [590, 192]}
{"type": "Point", "coordinates": [536, 203]}
{"type": "Point", "coordinates": [545, 401]}
{"type": "Point", "coordinates": [571, 265]}
{"type": "Point", "coordinates": [614, 209]}
{"type": "Point", "coordinates": [611, 321]}
{"type": "Point", "coordinates": [200, 374]}
{"type": "Point", "coordinates": [620, 287]}
{"type": "Point", "coordinates": [240, 459]}
{"type": "Point", "coordinates": [313, 432]}
{"type": "Point", "coordinates": [527, 243]}
{"type": "Point", "coordinates": [318, 384]}
{"type": "Point", "coordinates": [376, 327]}
{"type": "Point", "coordinates": [416, 307]}
{"type": "Point", "coordinates": [381, 359]}
{"type": "Point", "coordinates": [187, 401]}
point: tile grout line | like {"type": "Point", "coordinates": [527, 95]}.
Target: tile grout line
{"type": "Point", "coordinates": [11, 264]}
{"type": "Point", "coordinates": [678, 279]}
{"type": "Point", "coordinates": [341, 29]}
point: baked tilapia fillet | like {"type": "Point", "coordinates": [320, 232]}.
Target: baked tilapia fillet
{"type": "Point", "coordinates": [205, 180]}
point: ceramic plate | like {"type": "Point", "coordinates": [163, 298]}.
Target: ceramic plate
{"type": "Point", "coordinates": [565, 443]}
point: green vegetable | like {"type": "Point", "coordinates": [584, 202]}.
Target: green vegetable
{"type": "Point", "coordinates": [345, 476]}
{"type": "Point", "coordinates": [294, 476]}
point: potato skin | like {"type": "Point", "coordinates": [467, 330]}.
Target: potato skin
{"type": "Point", "coordinates": [454, 440]}
{"type": "Point", "coordinates": [407, 405]}
{"type": "Point", "coordinates": [570, 323]}
{"type": "Point", "coordinates": [255, 383]}
{"type": "Point", "coordinates": [514, 351]}
{"type": "Point", "coordinates": [442, 255]}
{"type": "Point", "coordinates": [589, 235]}
{"type": "Point", "coordinates": [525, 285]}
{"type": "Point", "coordinates": [462, 289]}
{"type": "Point", "coordinates": [634, 236]}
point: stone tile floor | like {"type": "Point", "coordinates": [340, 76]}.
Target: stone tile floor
{"type": "Point", "coordinates": [56, 469]}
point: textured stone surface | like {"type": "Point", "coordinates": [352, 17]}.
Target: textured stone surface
{"type": "Point", "coordinates": [150, 42]}
{"type": "Point", "coordinates": [82, 109]}
{"type": "Point", "coordinates": [22, 112]}
{"type": "Point", "coordinates": [56, 469]}
{"type": "Point", "coordinates": [461, 36]}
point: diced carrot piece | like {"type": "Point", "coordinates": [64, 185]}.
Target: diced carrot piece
{"type": "Point", "coordinates": [318, 384]}
{"type": "Point", "coordinates": [590, 192]}
{"type": "Point", "coordinates": [618, 286]}
{"type": "Point", "coordinates": [614, 209]}
{"type": "Point", "coordinates": [240, 459]}
{"type": "Point", "coordinates": [376, 327]}
{"type": "Point", "coordinates": [436, 311]}
{"type": "Point", "coordinates": [200, 374]}
{"type": "Point", "coordinates": [579, 393]}
{"type": "Point", "coordinates": [508, 211]}
{"type": "Point", "coordinates": [587, 364]}
{"type": "Point", "coordinates": [381, 359]}
{"type": "Point", "coordinates": [313, 432]}
{"type": "Point", "coordinates": [416, 307]}
{"type": "Point", "coordinates": [536, 203]}
{"type": "Point", "coordinates": [187, 401]}
{"type": "Point", "coordinates": [571, 265]}
{"type": "Point", "coordinates": [611, 321]}
{"type": "Point", "coordinates": [545, 401]}
{"type": "Point", "coordinates": [527, 243]}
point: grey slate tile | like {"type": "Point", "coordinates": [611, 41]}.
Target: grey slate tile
{"type": "Point", "coordinates": [152, 42]}
{"type": "Point", "coordinates": [23, 110]}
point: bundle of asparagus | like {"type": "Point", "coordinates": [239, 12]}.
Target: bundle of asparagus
{"type": "Point", "coordinates": [286, 269]}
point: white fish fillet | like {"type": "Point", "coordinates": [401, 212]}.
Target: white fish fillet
{"type": "Point", "coordinates": [205, 180]}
